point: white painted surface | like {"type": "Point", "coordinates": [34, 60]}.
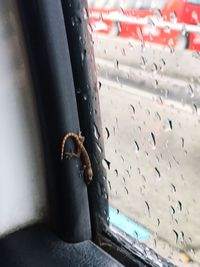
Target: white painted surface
{"type": "Point", "coordinates": [22, 176]}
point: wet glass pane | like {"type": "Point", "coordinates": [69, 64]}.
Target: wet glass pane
{"type": "Point", "coordinates": [147, 59]}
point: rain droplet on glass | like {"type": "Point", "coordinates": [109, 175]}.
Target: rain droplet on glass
{"type": "Point", "coordinates": [190, 90]}
{"type": "Point", "coordinates": [148, 208]}
{"type": "Point", "coordinates": [116, 64]}
{"type": "Point", "coordinates": [162, 64]}
{"type": "Point", "coordinates": [90, 29]}
{"type": "Point", "coordinates": [83, 55]}
{"type": "Point", "coordinates": [155, 84]}
{"type": "Point", "coordinates": [172, 210]}
{"type": "Point", "coordinates": [99, 85]}
{"type": "Point", "coordinates": [116, 172]}
{"type": "Point", "coordinates": [183, 30]}
{"type": "Point", "coordinates": [182, 142]}
{"type": "Point", "coordinates": [157, 115]}
{"type": "Point", "coordinates": [96, 131]}
{"type": "Point", "coordinates": [180, 206]}
{"type": "Point", "coordinates": [195, 16]}
{"type": "Point", "coordinates": [170, 124]}
{"type": "Point", "coordinates": [173, 188]}
{"type": "Point", "coordinates": [153, 140]}
{"type": "Point", "coordinates": [194, 109]}
{"type": "Point", "coordinates": [137, 148]}
{"type": "Point", "coordinates": [167, 29]}
{"type": "Point", "coordinates": [154, 68]}
{"type": "Point", "coordinates": [176, 236]}
{"type": "Point", "coordinates": [126, 190]}
{"type": "Point", "coordinates": [157, 172]}
{"type": "Point", "coordinates": [143, 62]}
{"type": "Point", "coordinates": [123, 52]}
{"type": "Point", "coordinates": [107, 133]}
{"type": "Point", "coordinates": [158, 14]}
{"type": "Point", "coordinates": [173, 17]}
{"type": "Point", "coordinates": [106, 164]}
{"type": "Point", "coordinates": [177, 162]}
{"type": "Point", "coordinates": [85, 13]}
{"type": "Point", "coordinates": [99, 148]}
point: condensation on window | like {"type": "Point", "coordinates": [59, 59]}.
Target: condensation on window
{"type": "Point", "coordinates": [149, 88]}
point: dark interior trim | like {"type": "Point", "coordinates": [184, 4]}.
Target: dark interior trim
{"type": "Point", "coordinates": [39, 246]}
{"type": "Point", "coordinates": [47, 46]}
{"type": "Point", "coordinates": [86, 86]}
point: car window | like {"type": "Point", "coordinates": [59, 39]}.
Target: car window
{"type": "Point", "coordinates": [149, 88]}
